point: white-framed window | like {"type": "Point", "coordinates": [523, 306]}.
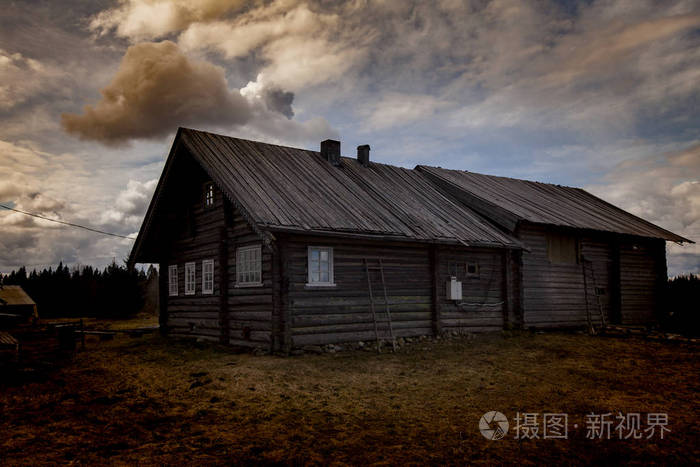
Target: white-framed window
{"type": "Point", "coordinates": [172, 280]}
{"type": "Point", "coordinates": [248, 266]}
{"type": "Point", "coordinates": [189, 278]}
{"type": "Point", "coordinates": [320, 266]}
{"type": "Point", "coordinates": [208, 195]}
{"type": "Point", "coordinates": [208, 276]}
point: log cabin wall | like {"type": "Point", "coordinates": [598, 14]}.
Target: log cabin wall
{"type": "Point", "coordinates": [629, 276]}
{"type": "Point", "coordinates": [642, 279]}
{"type": "Point", "coordinates": [484, 297]}
{"type": "Point", "coordinates": [322, 315]}
{"type": "Point", "coordinates": [553, 293]}
{"type": "Point", "coordinates": [249, 307]}
{"type": "Point", "coordinates": [231, 314]}
{"type": "Point", "coordinates": [194, 237]}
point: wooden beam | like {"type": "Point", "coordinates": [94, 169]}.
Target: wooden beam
{"type": "Point", "coordinates": [435, 296]}
{"type": "Point", "coordinates": [223, 287]}
{"type": "Point", "coordinates": [285, 312]}
{"type": "Point", "coordinates": [163, 298]}
{"type": "Point", "coordinates": [614, 285]}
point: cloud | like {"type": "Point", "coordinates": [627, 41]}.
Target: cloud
{"type": "Point", "coordinates": [666, 191]}
{"type": "Point", "coordinates": [300, 46]}
{"type": "Point", "coordinates": [150, 19]}
{"type": "Point", "coordinates": [273, 97]}
{"type": "Point", "coordinates": [130, 205]}
{"type": "Point", "coordinates": [21, 78]}
{"type": "Point", "coordinates": [156, 89]}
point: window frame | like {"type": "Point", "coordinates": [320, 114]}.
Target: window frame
{"type": "Point", "coordinates": [331, 276]}
{"type": "Point", "coordinates": [206, 290]}
{"type": "Point", "coordinates": [193, 282]}
{"type": "Point", "coordinates": [472, 274]}
{"type": "Point", "coordinates": [239, 270]}
{"type": "Point", "coordinates": [209, 188]}
{"type": "Point", "coordinates": [172, 271]}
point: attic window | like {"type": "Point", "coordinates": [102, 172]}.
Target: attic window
{"type": "Point", "coordinates": [208, 195]}
{"type": "Point", "coordinates": [561, 248]}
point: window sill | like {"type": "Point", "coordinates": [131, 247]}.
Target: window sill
{"type": "Point", "coordinates": [318, 286]}
{"type": "Point", "coordinates": [245, 286]}
{"type": "Point", "coordinates": [189, 294]}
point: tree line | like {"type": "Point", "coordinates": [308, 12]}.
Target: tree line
{"type": "Point", "coordinates": [114, 292]}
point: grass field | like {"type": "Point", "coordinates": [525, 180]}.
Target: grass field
{"type": "Point", "coordinates": [155, 401]}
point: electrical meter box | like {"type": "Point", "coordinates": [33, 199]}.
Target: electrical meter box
{"type": "Point", "coordinates": [454, 289]}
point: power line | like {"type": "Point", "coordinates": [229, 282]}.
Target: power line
{"type": "Point", "coordinates": [67, 223]}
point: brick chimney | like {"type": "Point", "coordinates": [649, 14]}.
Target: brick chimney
{"type": "Point", "coordinates": [363, 154]}
{"type": "Point", "coordinates": [330, 150]}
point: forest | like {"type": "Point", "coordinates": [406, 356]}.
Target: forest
{"type": "Point", "coordinates": [114, 292]}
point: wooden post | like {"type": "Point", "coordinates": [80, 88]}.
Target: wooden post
{"type": "Point", "coordinates": [435, 295]}
{"type": "Point", "coordinates": [163, 298]}
{"type": "Point", "coordinates": [507, 289]}
{"type": "Point", "coordinates": [521, 289]}
{"type": "Point", "coordinates": [615, 283]}
{"type": "Point", "coordinates": [285, 312]}
{"type": "Point", "coordinates": [224, 324]}
{"type": "Point", "coordinates": [276, 331]}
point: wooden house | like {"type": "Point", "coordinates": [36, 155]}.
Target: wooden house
{"type": "Point", "coordinates": [16, 306]}
{"type": "Point", "coordinates": [265, 245]}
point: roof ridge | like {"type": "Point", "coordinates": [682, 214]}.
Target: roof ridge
{"type": "Point", "coordinates": [502, 177]}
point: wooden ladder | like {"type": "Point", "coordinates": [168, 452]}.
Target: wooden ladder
{"type": "Point", "coordinates": [588, 268]}
{"type": "Point", "coordinates": [379, 267]}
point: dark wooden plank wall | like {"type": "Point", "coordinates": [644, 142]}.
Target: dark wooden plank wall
{"type": "Point", "coordinates": [642, 274]}
{"type": "Point", "coordinates": [473, 313]}
{"type": "Point", "coordinates": [324, 315]}
{"type": "Point", "coordinates": [249, 308]}
{"type": "Point", "coordinates": [195, 239]}
{"type": "Point", "coordinates": [241, 315]}
{"type": "Point", "coordinates": [553, 294]}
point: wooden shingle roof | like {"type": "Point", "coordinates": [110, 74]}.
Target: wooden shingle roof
{"type": "Point", "coordinates": [289, 189]}
{"type": "Point", "coordinates": [511, 200]}
{"type": "Point", "coordinates": [14, 295]}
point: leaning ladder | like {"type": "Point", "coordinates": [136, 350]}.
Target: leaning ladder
{"type": "Point", "coordinates": [380, 268]}
{"type": "Point", "coordinates": [587, 266]}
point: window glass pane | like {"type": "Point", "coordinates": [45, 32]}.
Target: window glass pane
{"type": "Point", "coordinates": [314, 254]}
{"type": "Point", "coordinates": [315, 276]}
{"type": "Point", "coordinates": [324, 255]}
{"type": "Point", "coordinates": [324, 276]}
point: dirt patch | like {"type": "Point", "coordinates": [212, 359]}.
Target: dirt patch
{"type": "Point", "coordinates": [156, 401]}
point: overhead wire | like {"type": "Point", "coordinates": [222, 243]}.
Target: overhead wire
{"type": "Point", "coordinates": [71, 224]}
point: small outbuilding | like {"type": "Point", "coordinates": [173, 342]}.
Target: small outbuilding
{"type": "Point", "coordinates": [16, 305]}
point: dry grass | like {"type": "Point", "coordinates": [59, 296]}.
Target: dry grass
{"type": "Point", "coordinates": [154, 401]}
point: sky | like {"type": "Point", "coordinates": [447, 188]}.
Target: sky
{"type": "Point", "coordinates": [603, 95]}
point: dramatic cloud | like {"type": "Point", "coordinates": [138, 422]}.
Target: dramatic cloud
{"type": "Point", "coordinates": [300, 46]}
{"type": "Point", "coordinates": [150, 19]}
{"type": "Point", "coordinates": [155, 90]}
{"type": "Point", "coordinates": [573, 92]}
